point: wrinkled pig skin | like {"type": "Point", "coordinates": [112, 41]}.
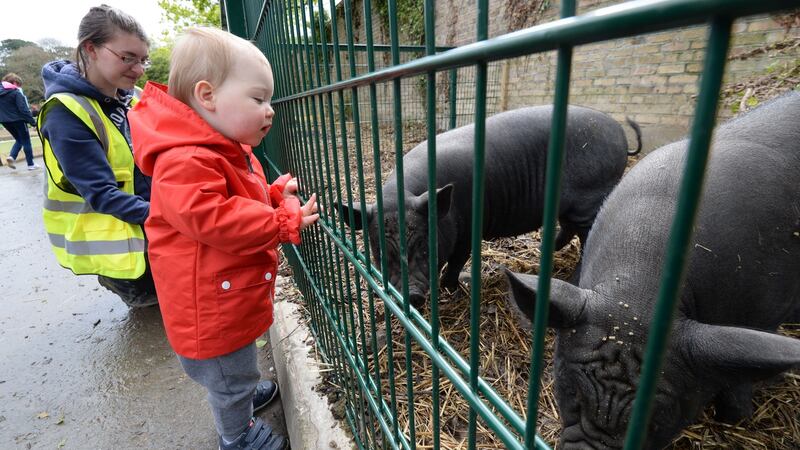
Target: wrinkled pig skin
{"type": "Point", "coordinates": [742, 281]}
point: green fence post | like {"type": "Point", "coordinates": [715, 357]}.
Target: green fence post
{"type": "Point", "coordinates": [433, 245]}
{"type": "Point", "coordinates": [478, 180]}
{"type": "Point", "coordinates": [555, 159]}
{"type": "Point", "coordinates": [237, 21]}
{"type": "Point", "coordinates": [398, 144]}
{"type": "Point", "coordinates": [453, 97]}
{"type": "Point", "coordinates": [688, 202]}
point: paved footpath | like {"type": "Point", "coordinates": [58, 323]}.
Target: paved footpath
{"type": "Point", "coordinates": [79, 369]}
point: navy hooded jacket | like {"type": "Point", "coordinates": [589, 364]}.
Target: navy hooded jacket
{"type": "Point", "coordinates": [80, 153]}
{"type": "Point", "coordinates": [14, 105]}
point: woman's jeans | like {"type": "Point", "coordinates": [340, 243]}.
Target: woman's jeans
{"type": "Point", "coordinates": [19, 130]}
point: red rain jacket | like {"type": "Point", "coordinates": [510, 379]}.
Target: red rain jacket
{"type": "Point", "coordinates": [213, 229]}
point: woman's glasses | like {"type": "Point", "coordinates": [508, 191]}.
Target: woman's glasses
{"type": "Point", "coordinates": [130, 60]}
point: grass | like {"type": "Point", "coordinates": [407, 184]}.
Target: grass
{"type": "Point", "coordinates": [5, 146]}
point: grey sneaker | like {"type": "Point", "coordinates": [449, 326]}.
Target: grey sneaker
{"type": "Point", "coordinates": [266, 391]}
{"type": "Point", "coordinates": [257, 436]}
{"type": "Point", "coordinates": [10, 162]}
{"type": "Point", "coordinates": [34, 167]}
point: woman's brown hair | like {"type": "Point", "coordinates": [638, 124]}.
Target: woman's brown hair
{"type": "Point", "coordinates": [98, 27]}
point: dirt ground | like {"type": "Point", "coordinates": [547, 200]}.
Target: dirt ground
{"type": "Point", "coordinates": [79, 369]}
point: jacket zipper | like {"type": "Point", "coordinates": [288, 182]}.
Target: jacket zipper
{"type": "Point", "coordinates": [247, 160]}
{"type": "Point", "coordinates": [250, 169]}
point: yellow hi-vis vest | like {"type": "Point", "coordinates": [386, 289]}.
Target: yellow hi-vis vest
{"type": "Point", "coordinates": [83, 240]}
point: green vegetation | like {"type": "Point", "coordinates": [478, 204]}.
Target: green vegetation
{"type": "Point", "coordinates": [159, 69]}
{"type": "Point", "coordinates": [410, 18]}
{"type": "Point", "coordinates": [187, 13]}
{"type": "Point", "coordinates": [5, 146]}
{"type": "Point", "coordinates": [26, 59]}
{"type": "Point", "coordinates": [180, 14]}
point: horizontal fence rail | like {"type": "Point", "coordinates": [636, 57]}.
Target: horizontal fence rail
{"type": "Point", "coordinates": [345, 119]}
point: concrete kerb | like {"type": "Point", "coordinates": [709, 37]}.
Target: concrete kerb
{"type": "Point", "coordinates": [309, 421]}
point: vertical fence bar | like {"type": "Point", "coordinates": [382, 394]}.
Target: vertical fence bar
{"type": "Point", "coordinates": [322, 170]}
{"type": "Point", "coordinates": [478, 179]}
{"type": "Point", "coordinates": [360, 168]}
{"type": "Point", "coordinates": [381, 229]}
{"type": "Point", "coordinates": [686, 212]}
{"type": "Point", "coordinates": [555, 159]}
{"type": "Point", "coordinates": [234, 11]}
{"type": "Point", "coordinates": [306, 135]}
{"type": "Point", "coordinates": [379, 195]}
{"type": "Point", "coordinates": [335, 301]}
{"type": "Point", "coordinates": [344, 298]}
{"type": "Point", "coordinates": [453, 97]}
{"type": "Point", "coordinates": [327, 200]}
{"type": "Point", "coordinates": [401, 216]}
{"type": "Point", "coordinates": [433, 246]}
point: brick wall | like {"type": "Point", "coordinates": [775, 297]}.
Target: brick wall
{"type": "Point", "coordinates": [651, 78]}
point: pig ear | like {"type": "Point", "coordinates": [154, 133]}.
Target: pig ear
{"type": "Point", "coordinates": [738, 353]}
{"type": "Point", "coordinates": [567, 302]}
{"type": "Point", "coordinates": [358, 210]}
{"type": "Point", "coordinates": [444, 197]}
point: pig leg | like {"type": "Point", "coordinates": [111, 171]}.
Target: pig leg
{"type": "Point", "coordinates": [455, 263]}
{"type": "Point", "coordinates": [568, 230]}
{"type": "Point", "coordinates": [565, 236]}
{"type": "Point", "coordinates": [734, 404]}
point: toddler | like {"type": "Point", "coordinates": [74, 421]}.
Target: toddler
{"type": "Point", "coordinates": [215, 224]}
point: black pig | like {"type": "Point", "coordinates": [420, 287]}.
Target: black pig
{"type": "Point", "coordinates": [516, 151]}
{"type": "Point", "coordinates": [742, 281]}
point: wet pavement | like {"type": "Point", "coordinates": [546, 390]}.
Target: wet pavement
{"type": "Point", "coordinates": [78, 369]}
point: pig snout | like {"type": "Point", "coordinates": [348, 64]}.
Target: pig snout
{"type": "Point", "coordinates": [416, 296]}
{"type": "Point", "coordinates": [575, 437]}
{"type": "Point", "coordinates": [417, 289]}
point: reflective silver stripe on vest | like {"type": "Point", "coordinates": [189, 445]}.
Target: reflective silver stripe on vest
{"type": "Point", "coordinates": [99, 126]}
{"type": "Point", "coordinates": [69, 207]}
{"type": "Point", "coordinates": [84, 248]}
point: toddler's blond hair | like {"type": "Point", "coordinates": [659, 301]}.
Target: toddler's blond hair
{"type": "Point", "coordinates": [204, 53]}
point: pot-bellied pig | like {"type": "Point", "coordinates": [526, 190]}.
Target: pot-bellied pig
{"type": "Point", "coordinates": [742, 282]}
{"type": "Point", "coordinates": [516, 150]}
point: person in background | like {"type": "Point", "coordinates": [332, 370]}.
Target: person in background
{"type": "Point", "coordinates": [15, 115]}
{"type": "Point", "coordinates": [97, 199]}
{"type": "Point", "coordinates": [215, 224]}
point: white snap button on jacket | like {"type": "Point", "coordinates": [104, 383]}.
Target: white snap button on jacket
{"type": "Point", "coordinates": [268, 276]}
{"type": "Point", "coordinates": [226, 285]}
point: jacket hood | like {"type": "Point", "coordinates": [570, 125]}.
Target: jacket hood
{"type": "Point", "coordinates": [160, 122]}
{"type": "Point", "coordinates": [63, 76]}
{"type": "Point", "coordinates": [8, 88]}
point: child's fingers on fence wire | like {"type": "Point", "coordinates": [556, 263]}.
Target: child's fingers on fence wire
{"type": "Point", "coordinates": [291, 188]}
{"type": "Point", "coordinates": [308, 221]}
{"type": "Point", "coordinates": [309, 211]}
{"type": "Point", "coordinates": [311, 206]}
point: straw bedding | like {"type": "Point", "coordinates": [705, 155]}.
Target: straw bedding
{"type": "Point", "coordinates": [505, 353]}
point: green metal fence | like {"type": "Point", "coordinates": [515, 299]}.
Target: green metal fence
{"type": "Point", "coordinates": [339, 152]}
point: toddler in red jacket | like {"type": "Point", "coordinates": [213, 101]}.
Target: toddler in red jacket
{"type": "Point", "coordinates": [215, 224]}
